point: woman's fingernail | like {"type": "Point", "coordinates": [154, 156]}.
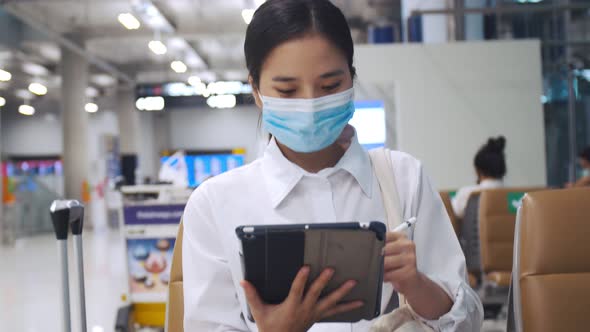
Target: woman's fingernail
{"type": "Point", "coordinates": [351, 283]}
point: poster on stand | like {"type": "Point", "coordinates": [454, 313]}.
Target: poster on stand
{"type": "Point", "coordinates": [150, 235]}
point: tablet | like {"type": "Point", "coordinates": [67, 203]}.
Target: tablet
{"type": "Point", "coordinates": [273, 254]}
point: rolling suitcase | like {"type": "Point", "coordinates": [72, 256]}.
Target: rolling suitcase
{"type": "Point", "coordinates": [66, 214]}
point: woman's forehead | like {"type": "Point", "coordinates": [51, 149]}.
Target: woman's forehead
{"type": "Point", "coordinates": [311, 55]}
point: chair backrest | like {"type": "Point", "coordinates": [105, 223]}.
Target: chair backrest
{"type": "Point", "coordinates": [552, 262]}
{"type": "Point", "coordinates": [497, 217]}
{"type": "Point", "coordinates": [446, 198]}
{"type": "Point", "coordinates": [469, 234]}
{"type": "Point", "coordinates": [175, 305]}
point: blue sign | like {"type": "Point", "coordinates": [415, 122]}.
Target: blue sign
{"type": "Point", "coordinates": [203, 167]}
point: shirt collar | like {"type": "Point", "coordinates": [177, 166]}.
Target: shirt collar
{"type": "Point", "coordinates": [281, 175]}
{"type": "Point", "coordinates": [491, 182]}
{"type": "Point", "coordinates": [356, 162]}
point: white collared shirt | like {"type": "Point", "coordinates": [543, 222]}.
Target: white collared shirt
{"type": "Point", "coordinates": [459, 202]}
{"type": "Point", "coordinates": [272, 190]}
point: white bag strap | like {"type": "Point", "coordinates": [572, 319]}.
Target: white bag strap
{"type": "Point", "coordinates": [383, 167]}
{"type": "Point", "coordinates": [404, 316]}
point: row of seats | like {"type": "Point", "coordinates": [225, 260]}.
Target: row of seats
{"type": "Point", "coordinates": [543, 253]}
{"type": "Point", "coordinates": [486, 233]}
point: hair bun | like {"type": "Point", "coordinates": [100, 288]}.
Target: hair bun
{"type": "Point", "coordinates": [496, 145]}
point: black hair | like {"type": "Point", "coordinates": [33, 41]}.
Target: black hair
{"type": "Point", "coordinates": [278, 21]}
{"type": "Point", "coordinates": [490, 160]}
{"type": "Point", "coordinates": [585, 154]}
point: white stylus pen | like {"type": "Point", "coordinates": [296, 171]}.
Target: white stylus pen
{"type": "Point", "coordinates": [405, 225]}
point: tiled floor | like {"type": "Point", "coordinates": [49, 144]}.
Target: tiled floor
{"type": "Point", "coordinates": [30, 295]}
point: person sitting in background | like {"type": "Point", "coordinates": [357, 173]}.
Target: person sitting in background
{"type": "Point", "coordinates": [490, 166]}
{"type": "Point", "coordinates": [584, 160]}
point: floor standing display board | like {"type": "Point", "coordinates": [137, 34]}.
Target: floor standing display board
{"type": "Point", "coordinates": [150, 216]}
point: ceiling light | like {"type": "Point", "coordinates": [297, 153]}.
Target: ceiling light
{"type": "Point", "coordinates": [194, 80]}
{"type": "Point", "coordinates": [150, 104]}
{"type": "Point", "coordinates": [26, 109]}
{"type": "Point", "coordinates": [91, 92]}
{"type": "Point", "coordinates": [178, 66]}
{"type": "Point", "coordinates": [157, 47]}
{"type": "Point", "coordinates": [50, 51]}
{"type": "Point", "coordinates": [103, 80]}
{"type": "Point", "coordinates": [38, 89]}
{"type": "Point", "coordinates": [5, 76]}
{"type": "Point", "coordinates": [2, 101]}
{"type": "Point", "coordinates": [247, 15]}
{"type": "Point", "coordinates": [222, 101]}
{"type": "Point", "coordinates": [34, 69]}
{"type": "Point", "coordinates": [129, 21]}
{"type": "Point", "coordinates": [91, 108]}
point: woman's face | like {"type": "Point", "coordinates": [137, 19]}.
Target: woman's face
{"type": "Point", "coordinates": [308, 67]}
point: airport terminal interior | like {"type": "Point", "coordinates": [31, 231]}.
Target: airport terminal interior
{"type": "Point", "coordinates": [113, 112]}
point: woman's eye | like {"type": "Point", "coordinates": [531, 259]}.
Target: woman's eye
{"type": "Point", "coordinates": [331, 87]}
{"type": "Point", "coordinates": [286, 92]}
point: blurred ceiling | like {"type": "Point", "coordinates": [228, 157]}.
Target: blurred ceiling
{"type": "Point", "coordinates": [206, 35]}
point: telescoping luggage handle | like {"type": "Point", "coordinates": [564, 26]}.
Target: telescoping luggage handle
{"type": "Point", "coordinates": [66, 214]}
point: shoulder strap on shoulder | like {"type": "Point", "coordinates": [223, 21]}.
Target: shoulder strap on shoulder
{"type": "Point", "coordinates": [383, 168]}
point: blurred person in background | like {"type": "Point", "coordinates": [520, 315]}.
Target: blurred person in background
{"type": "Point", "coordinates": [584, 178]}
{"type": "Point", "coordinates": [490, 168]}
{"type": "Point", "coordinates": [299, 54]}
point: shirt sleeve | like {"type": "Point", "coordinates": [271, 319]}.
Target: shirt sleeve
{"type": "Point", "coordinates": [210, 301]}
{"type": "Point", "coordinates": [459, 202]}
{"type": "Point", "coordinates": [438, 252]}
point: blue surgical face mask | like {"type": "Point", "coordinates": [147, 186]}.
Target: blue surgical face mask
{"type": "Point", "coordinates": [585, 172]}
{"type": "Point", "coordinates": [307, 125]}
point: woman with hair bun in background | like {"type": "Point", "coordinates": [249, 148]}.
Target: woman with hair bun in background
{"type": "Point", "coordinates": [490, 167]}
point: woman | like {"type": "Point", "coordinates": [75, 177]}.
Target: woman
{"type": "Point", "coordinates": [299, 54]}
{"type": "Point", "coordinates": [584, 177]}
{"type": "Point", "coordinates": [490, 168]}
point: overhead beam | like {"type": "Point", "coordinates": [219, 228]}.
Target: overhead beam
{"type": "Point", "coordinates": [67, 43]}
{"type": "Point", "coordinates": [537, 8]}
{"type": "Point", "coordinates": [119, 33]}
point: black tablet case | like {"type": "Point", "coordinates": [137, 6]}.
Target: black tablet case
{"type": "Point", "coordinates": [273, 254]}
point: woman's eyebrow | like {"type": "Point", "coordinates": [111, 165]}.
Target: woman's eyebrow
{"type": "Point", "coordinates": [283, 79]}
{"type": "Point", "coordinates": [332, 73]}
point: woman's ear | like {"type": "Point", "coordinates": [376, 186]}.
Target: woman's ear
{"type": "Point", "coordinates": [255, 92]}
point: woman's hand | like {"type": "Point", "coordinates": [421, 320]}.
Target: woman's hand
{"type": "Point", "coordinates": [299, 311]}
{"type": "Point", "coordinates": [399, 266]}
{"type": "Point", "coordinates": [427, 298]}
